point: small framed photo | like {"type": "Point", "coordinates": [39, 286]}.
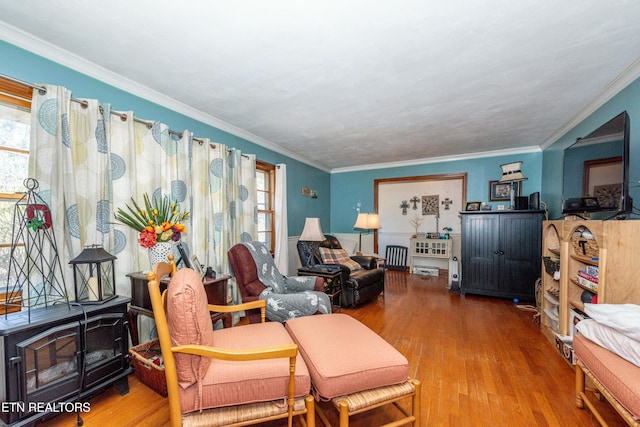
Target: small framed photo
{"type": "Point", "coordinates": [591, 202]}
{"type": "Point", "coordinates": [472, 206]}
{"type": "Point", "coordinates": [501, 191]}
{"type": "Point", "coordinates": [197, 267]}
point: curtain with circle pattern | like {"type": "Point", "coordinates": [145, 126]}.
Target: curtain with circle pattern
{"type": "Point", "coordinates": [224, 204]}
{"type": "Point", "coordinates": [90, 162]}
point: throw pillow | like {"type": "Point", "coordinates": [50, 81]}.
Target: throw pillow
{"type": "Point", "coordinates": [338, 256]}
{"type": "Point", "coordinates": [189, 322]}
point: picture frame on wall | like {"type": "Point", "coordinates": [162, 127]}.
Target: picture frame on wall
{"type": "Point", "coordinates": [501, 191]}
{"type": "Point", "coordinates": [472, 206]}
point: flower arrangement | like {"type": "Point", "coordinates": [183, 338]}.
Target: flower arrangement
{"type": "Point", "coordinates": [160, 221]}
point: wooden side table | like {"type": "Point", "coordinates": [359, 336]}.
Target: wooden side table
{"type": "Point", "coordinates": [216, 290]}
{"type": "Point", "coordinates": [333, 283]}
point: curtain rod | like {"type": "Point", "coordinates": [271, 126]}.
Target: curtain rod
{"type": "Point", "coordinates": [43, 90]}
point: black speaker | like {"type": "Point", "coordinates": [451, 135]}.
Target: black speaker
{"type": "Point", "coordinates": [534, 201]}
{"type": "Point", "coordinates": [522, 203]}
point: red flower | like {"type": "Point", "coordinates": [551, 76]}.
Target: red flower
{"type": "Point", "coordinates": [147, 238]}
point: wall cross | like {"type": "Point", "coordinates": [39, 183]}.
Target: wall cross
{"type": "Point", "coordinates": [415, 201]}
{"type": "Point", "coordinates": [446, 202]}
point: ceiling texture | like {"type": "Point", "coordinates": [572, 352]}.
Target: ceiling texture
{"type": "Point", "coordinates": [352, 84]}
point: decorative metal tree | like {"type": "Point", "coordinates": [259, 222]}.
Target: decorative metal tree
{"type": "Point", "coordinates": [35, 271]}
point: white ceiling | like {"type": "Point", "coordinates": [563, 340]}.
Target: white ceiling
{"type": "Point", "coordinates": [342, 84]}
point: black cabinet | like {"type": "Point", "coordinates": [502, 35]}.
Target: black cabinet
{"type": "Point", "coordinates": [501, 253]}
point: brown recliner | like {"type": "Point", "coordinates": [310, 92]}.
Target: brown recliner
{"type": "Point", "coordinates": [246, 274]}
{"type": "Point", "coordinates": [361, 286]}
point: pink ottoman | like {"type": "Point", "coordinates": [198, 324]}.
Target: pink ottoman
{"type": "Point", "coordinates": [352, 366]}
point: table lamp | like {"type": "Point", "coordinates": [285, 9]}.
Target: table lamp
{"type": "Point", "coordinates": [366, 221]}
{"type": "Point", "coordinates": [312, 232]}
{"type": "Point", "coordinates": [512, 174]}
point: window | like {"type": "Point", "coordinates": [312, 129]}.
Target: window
{"type": "Point", "coordinates": [15, 112]}
{"type": "Point", "coordinates": [266, 179]}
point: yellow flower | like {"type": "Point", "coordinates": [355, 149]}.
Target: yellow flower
{"type": "Point", "coordinates": [166, 236]}
{"type": "Point", "coordinates": [160, 216]}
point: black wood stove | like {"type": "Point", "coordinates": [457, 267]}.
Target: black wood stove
{"type": "Point", "coordinates": [55, 358]}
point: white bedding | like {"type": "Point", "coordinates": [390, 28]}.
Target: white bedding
{"type": "Point", "coordinates": [611, 339]}
{"type": "Point", "coordinates": [624, 318]}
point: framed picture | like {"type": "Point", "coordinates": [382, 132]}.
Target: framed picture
{"type": "Point", "coordinates": [430, 205]}
{"type": "Point", "coordinates": [197, 267]}
{"type": "Point", "coordinates": [501, 191]}
{"type": "Point", "coordinates": [472, 206]}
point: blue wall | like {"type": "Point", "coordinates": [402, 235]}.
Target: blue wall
{"type": "Point", "coordinates": [339, 193]}
{"type": "Point", "coordinates": [26, 66]}
{"type": "Point", "coordinates": [349, 188]}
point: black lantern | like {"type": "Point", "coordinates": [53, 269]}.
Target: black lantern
{"type": "Point", "coordinates": [94, 276]}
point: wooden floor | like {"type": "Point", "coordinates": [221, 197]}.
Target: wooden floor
{"type": "Point", "coordinates": [482, 362]}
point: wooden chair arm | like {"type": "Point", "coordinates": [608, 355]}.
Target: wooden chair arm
{"type": "Point", "coordinates": [274, 352]}
{"type": "Point", "coordinates": [261, 304]}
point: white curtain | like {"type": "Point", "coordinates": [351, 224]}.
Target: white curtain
{"type": "Point", "coordinates": [50, 127]}
{"type": "Point", "coordinates": [232, 189]}
{"type": "Point", "coordinates": [69, 157]}
{"type": "Point", "coordinates": [90, 162]}
{"type": "Point", "coordinates": [145, 158]}
{"type": "Point", "coordinates": [281, 255]}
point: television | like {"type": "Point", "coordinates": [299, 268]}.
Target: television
{"type": "Point", "coordinates": [596, 171]}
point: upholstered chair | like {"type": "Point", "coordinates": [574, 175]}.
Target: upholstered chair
{"type": "Point", "coordinates": [364, 280]}
{"type": "Point", "coordinates": [287, 297]}
{"type": "Point", "coordinates": [236, 376]}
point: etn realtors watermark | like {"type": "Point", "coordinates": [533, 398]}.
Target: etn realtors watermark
{"type": "Point", "coordinates": [49, 407]}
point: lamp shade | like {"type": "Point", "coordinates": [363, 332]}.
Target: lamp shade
{"type": "Point", "coordinates": [312, 231]}
{"type": "Point", "coordinates": [367, 221]}
{"type": "Point", "coordinates": [512, 172]}
{"type": "Point", "coordinates": [361, 221]}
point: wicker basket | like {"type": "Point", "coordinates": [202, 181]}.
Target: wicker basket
{"type": "Point", "coordinates": [551, 265]}
{"type": "Point", "coordinates": [591, 249]}
{"type": "Point", "coordinates": [148, 372]}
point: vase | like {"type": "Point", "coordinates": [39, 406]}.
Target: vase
{"type": "Point", "coordinates": [160, 253]}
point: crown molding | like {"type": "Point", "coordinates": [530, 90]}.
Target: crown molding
{"type": "Point", "coordinates": [622, 80]}
{"type": "Point", "coordinates": [459, 157]}
{"type": "Point", "coordinates": [47, 50]}
{"type": "Point", "coordinates": [40, 47]}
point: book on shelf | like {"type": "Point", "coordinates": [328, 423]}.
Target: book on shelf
{"type": "Point", "coordinates": [587, 283]}
{"type": "Point", "coordinates": [588, 276]}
